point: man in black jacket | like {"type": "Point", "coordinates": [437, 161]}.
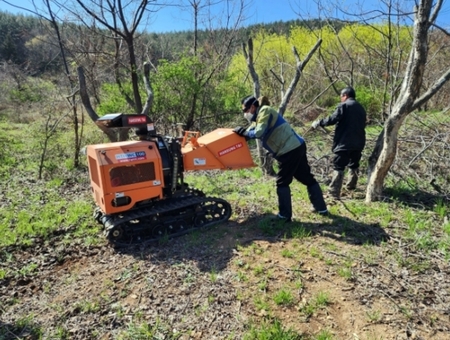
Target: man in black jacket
{"type": "Point", "coordinates": [348, 142]}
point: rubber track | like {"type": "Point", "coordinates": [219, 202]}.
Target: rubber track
{"type": "Point", "coordinates": [167, 219]}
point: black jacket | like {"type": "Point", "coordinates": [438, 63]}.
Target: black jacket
{"type": "Point", "coordinates": [350, 120]}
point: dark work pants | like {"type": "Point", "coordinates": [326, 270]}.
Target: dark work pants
{"type": "Point", "coordinates": [293, 164]}
{"type": "Point", "coordinates": [346, 158]}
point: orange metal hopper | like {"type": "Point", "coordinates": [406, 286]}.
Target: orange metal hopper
{"type": "Point", "coordinates": [220, 149]}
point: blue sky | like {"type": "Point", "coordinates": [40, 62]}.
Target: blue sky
{"type": "Point", "coordinates": [177, 19]}
{"type": "Point", "coordinates": [258, 11]}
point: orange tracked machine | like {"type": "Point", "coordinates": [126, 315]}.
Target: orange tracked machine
{"type": "Point", "coordinates": [138, 186]}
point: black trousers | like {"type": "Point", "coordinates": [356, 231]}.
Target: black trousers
{"type": "Point", "coordinates": [294, 164]}
{"type": "Point", "coordinates": [346, 158]}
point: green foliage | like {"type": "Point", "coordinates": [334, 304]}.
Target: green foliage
{"type": "Point", "coordinates": [32, 90]}
{"type": "Point", "coordinates": [12, 146]}
{"type": "Point", "coordinates": [361, 45]}
{"type": "Point", "coordinates": [188, 91]}
{"type": "Point", "coordinates": [143, 330]}
{"type": "Point", "coordinates": [21, 226]}
{"type": "Point", "coordinates": [300, 232]}
{"type": "Point", "coordinates": [59, 208]}
{"type": "Point", "coordinates": [324, 334]}
{"type": "Point", "coordinates": [175, 84]}
{"type": "Point", "coordinates": [441, 208]}
{"type": "Point", "coordinates": [370, 100]}
{"type": "Point", "coordinates": [287, 253]}
{"type": "Point", "coordinates": [261, 303]}
{"type": "Point", "coordinates": [87, 307]}
{"type": "Point", "coordinates": [231, 92]}
{"type": "Point", "coordinates": [319, 301]}
{"type": "Point", "coordinates": [112, 99]}
{"type": "Point", "coordinates": [24, 325]}
{"type": "Point", "coordinates": [283, 297]}
{"type": "Point", "coordinates": [37, 209]}
{"type": "Point", "coordinates": [24, 94]}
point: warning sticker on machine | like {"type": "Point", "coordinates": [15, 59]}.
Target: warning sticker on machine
{"type": "Point", "coordinates": [130, 156]}
{"type": "Point", "coordinates": [230, 149]}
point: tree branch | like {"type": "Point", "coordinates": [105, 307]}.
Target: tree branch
{"type": "Point", "coordinates": [148, 88]}
{"type": "Point", "coordinates": [298, 72]}
{"type": "Point", "coordinates": [432, 90]}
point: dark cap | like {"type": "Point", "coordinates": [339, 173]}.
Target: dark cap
{"type": "Point", "coordinates": [249, 101]}
{"type": "Point", "coordinates": [349, 92]}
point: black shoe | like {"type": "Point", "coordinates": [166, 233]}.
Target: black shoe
{"type": "Point", "coordinates": [282, 218]}
{"type": "Point", "coordinates": [321, 213]}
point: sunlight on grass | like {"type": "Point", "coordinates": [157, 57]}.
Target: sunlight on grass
{"type": "Point", "coordinates": [41, 220]}
{"type": "Point", "coordinates": [441, 208]}
{"type": "Point", "coordinates": [139, 330]}
{"type": "Point", "coordinates": [261, 303]}
{"type": "Point", "coordinates": [324, 334]}
{"type": "Point", "coordinates": [213, 275]}
{"type": "Point", "coordinates": [318, 301]}
{"type": "Point", "coordinates": [300, 232]}
{"type": "Point", "coordinates": [345, 272]}
{"type": "Point", "coordinates": [287, 253]}
{"type": "Point", "coordinates": [374, 315]}
{"type": "Point", "coordinates": [446, 228]}
{"type": "Point", "coordinates": [283, 297]}
{"type": "Point", "coordinates": [258, 269]}
{"type": "Point", "coordinates": [270, 329]}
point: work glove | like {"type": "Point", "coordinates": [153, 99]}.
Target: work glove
{"type": "Point", "coordinates": [241, 131]}
{"type": "Point", "coordinates": [315, 124]}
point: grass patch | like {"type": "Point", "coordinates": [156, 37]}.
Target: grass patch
{"type": "Point", "coordinates": [271, 329]}
{"type": "Point", "coordinates": [24, 325]}
{"type": "Point", "coordinates": [318, 301]}
{"type": "Point", "coordinates": [283, 297]}
{"type": "Point", "coordinates": [37, 220]}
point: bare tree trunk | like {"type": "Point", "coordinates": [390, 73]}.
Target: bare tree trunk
{"type": "Point", "coordinates": [129, 15]}
{"type": "Point", "coordinates": [265, 161]}
{"type": "Point", "coordinates": [134, 75]}
{"type": "Point", "coordinates": [71, 98]}
{"type": "Point", "coordinates": [409, 98]}
{"type": "Point", "coordinates": [383, 157]}
{"type": "Point", "coordinates": [148, 89]}
{"type": "Point", "coordinates": [87, 105]}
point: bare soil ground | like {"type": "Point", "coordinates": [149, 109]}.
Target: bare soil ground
{"type": "Point", "coordinates": [217, 283]}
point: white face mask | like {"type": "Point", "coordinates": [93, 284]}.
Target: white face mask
{"type": "Point", "coordinates": [248, 116]}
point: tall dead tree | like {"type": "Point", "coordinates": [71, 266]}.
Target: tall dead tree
{"type": "Point", "coordinates": [123, 21]}
{"type": "Point", "coordinates": [409, 99]}
{"type": "Point", "coordinates": [110, 133]}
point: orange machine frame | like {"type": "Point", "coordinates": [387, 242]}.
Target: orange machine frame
{"type": "Point", "coordinates": [130, 171]}
{"type": "Point", "coordinates": [125, 173]}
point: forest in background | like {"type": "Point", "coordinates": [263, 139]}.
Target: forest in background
{"type": "Point", "coordinates": [198, 77]}
{"type": "Point", "coordinates": [199, 80]}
